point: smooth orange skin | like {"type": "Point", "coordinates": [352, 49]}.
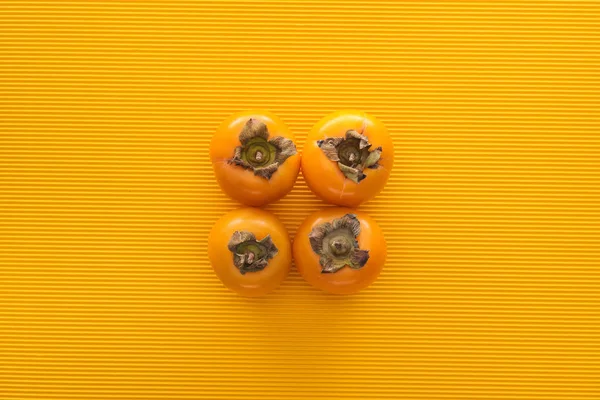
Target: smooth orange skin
{"type": "Point", "coordinates": [346, 280]}
{"type": "Point", "coordinates": [241, 184]}
{"type": "Point", "coordinates": [261, 223]}
{"type": "Point", "coordinates": [324, 177]}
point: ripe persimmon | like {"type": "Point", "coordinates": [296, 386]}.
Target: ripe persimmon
{"type": "Point", "coordinates": [347, 158]}
{"type": "Point", "coordinates": [339, 250]}
{"type": "Point", "coordinates": [250, 251]}
{"type": "Point", "coordinates": [254, 157]}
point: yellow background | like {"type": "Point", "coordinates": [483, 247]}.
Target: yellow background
{"type": "Point", "coordinates": [107, 197]}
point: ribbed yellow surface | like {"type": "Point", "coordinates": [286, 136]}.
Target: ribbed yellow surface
{"type": "Point", "coordinates": [491, 215]}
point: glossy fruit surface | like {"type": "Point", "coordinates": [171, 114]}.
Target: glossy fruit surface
{"type": "Point", "coordinates": [254, 157]}
{"type": "Point", "coordinates": [339, 250]}
{"type": "Point", "coordinates": [249, 250]}
{"type": "Point", "coordinates": [347, 158]}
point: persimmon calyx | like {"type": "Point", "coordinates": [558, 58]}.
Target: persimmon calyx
{"type": "Point", "coordinates": [352, 153]}
{"type": "Point", "coordinates": [258, 153]}
{"type": "Point", "coordinates": [337, 245]}
{"type": "Point", "coordinates": [249, 254]}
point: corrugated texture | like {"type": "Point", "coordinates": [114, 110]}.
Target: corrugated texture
{"type": "Point", "coordinates": [107, 197]}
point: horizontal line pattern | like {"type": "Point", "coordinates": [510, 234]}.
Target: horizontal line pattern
{"type": "Point", "coordinates": [107, 197]}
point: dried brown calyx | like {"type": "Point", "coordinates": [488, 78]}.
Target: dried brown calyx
{"type": "Point", "coordinates": [260, 154]}
{"type": "Point", "coordinates": [249, 254]}
{"type": "Point", "coordinates": [336, 244]}
{"type": "Point", "coordinates": [352, 153]}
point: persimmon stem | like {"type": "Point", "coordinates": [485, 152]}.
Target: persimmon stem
{"type": "Point", "coordinates": [336, 244]}
{"type": "Point", "coordinates": [249, 254]}
{"type": "Point", "coordinates": [260, 154]}
{"type": "Point", "coordinates": [352, 153]}
{"type": "Point", "coordinates": [340, 246]}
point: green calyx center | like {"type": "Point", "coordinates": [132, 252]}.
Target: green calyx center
{"type": "Point", "coordinates": [350, 153]}
{"type": "Point", "coordinates": [252, 249]}
{"type": "Point", "coordinates": [353, 154]}
{"type": "Point", "coordinates": [336, 244]}
{"type": "Point", "coordinates": [249, 254]}
{"type": "Point", "coordinates": [258, 152]}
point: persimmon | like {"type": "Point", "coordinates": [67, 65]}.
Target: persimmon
{"type": "Point", "coordinates": [347, 158]}
{"type": "Point", "coordinates": [254, 157]}
{"type": "Point", "coordinates": [249, 250]}
{"type": "Point", "coordinates": [339, 250]}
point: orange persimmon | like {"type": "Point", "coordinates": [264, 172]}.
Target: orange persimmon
{"type": "Point", "coordinates": [249, 250]}
{"type": "Point", "coordinates": [254, 157]}
{"type": "Point", "coordinates": [339, 250]}
{"type": "Point", "coordinates": [347, 158]}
